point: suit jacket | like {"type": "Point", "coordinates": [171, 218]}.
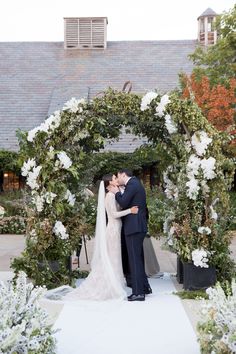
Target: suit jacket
{"type": "Point", "coordinates": [134, 195]}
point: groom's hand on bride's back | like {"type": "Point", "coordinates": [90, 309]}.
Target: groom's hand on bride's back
{"type": "Point", "coordinates": [134, 210]}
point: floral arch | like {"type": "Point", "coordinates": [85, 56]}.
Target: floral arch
{"type": "Point", "coordinates": [58, 164]}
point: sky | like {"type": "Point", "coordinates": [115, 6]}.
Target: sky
{"type": "Point", "coordinates": [42, 20]}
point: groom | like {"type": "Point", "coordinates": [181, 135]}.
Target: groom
{"type": "Point", "coordinates": [135, 229]}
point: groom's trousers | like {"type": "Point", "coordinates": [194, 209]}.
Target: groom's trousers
{"type": "Point", "coordinates": [139, 280]}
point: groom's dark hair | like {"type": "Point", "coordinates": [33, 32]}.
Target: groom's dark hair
{"type": "Point", "coordinates": [128, 172]}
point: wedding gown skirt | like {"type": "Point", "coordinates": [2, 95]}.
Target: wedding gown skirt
{"type": "Point", "coordinates": [106, 279]}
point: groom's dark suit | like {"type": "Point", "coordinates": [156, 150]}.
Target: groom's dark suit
{"type": "Point", "coordinates": [135, 229]}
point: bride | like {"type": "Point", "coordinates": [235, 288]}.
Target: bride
{"type": "Point", "coordinates": [106, 279]}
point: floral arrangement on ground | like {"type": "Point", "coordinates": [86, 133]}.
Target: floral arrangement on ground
{"type": "Point", "coordinates": [23, 325]}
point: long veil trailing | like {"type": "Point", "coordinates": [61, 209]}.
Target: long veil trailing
{"type": "Point", "coordinates": [102, 282]}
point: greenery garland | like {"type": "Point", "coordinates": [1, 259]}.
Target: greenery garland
{"type": "Point", "coordinates": [59, 163]}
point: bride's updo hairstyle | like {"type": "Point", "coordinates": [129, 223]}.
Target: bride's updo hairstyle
{"type": "Point", "coordinates": [106, 179]}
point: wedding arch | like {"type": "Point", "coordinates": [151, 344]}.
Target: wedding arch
{"type": "Point", "coordinates": [58, 164]}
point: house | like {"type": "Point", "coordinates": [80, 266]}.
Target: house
{"type": "Point", "coordinates": [36, 78]}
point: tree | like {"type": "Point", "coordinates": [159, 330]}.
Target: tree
{"type": "Point", "coordinates": [216, 102]}
{"type": "Point", "coordinates": [218, 62]}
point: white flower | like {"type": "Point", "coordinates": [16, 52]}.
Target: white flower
{"type": "Point", "coordinates": [27, 166]}
{"type": "Point", "coordinates": [74, 105]}
{"type": "Point", "coordinates": [200, 142]}
{"type": "Point", "coordinates": [50, 123]}
{"type": "Point", "coordinates": [32, 178]}
{"type": "Point", "coordinates": [2, 211]}
{"type": "Point", "coordinates": [208, 167]}
{"type": "Point", "coordinates": [204, 230]}
{"type": "Point", "coordinates": [214, 215]}
{"type": "Point", "coordinates": [65, 161]}
{"type": "Point", "coordinates": [193, 165]}
{"type": "Point", "coordinates": [49, 196]}
{"type": "Point", "coordinates": [70, 197]}
{"type": "Point", "coordinates": [170, 125]}
{"type": "Point", "coordinates": [171, 190]}
{"type": "Point", "coordinates": [32, 133]}
{"type": "Point", "coordinates": [193, 188]}
{"type": "Point", "coordinates": [60, 230]}
{"type": "Point", "coordinates": [38, 201]}
{"type": "Point", "coordinates": [161, 106]}
{"type": "Point", "coordinates": [200, 258]}
{"type": "Point", "coordinates": [147, 99]}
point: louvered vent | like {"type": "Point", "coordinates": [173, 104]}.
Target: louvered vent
{"type": "Point", "coordinates": [85, 32]}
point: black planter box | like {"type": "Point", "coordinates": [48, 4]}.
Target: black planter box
{"type": "Point", "coordinates": [180, 271]}
{"type": "Point", "coordinates": [196, 278]}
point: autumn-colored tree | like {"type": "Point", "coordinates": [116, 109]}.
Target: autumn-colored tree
{"type": "Point", "coordinates": [217, 102]}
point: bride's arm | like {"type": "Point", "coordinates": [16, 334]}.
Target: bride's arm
{"type": "Point", "coordinates": [111, 207]}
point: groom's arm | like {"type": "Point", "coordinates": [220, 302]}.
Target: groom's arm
{"type": "Point", "coordinates": [125, 199]}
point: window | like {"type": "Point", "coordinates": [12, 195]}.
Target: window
{"type": "Point", "coordinates": [11, 181]}
{"type": "Point", "coordinates": [209, 24]}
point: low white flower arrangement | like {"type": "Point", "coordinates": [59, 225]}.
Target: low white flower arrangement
{"type": "Point", "coordinates": [200, 258]}
{"type": "Point", "coordinates": [23, 325]}
{"type": "Point", "coordinates": [217, 329]}
{"type": "Point", "coordinates": [2, 211]}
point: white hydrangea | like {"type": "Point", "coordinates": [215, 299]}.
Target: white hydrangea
{"type": "Point", "coordinates": [38, 201]}
{"type": "Point", "coordinates": [200, 142]}
{"type": "Point", "coordinates": [64, 160]}
{"type": "Point", "coordinates": [204, 230]}
{"type": "Point", "coordinates": [193, 166]}
{"type": "Point", "coordinates": [60, 230]}
{"type": "Point", "coordinates": [27, 166]}
{"type": "Point", "coordinates": [70, 197]}
{"type": "Point", "coordinates": [193, 188]}
{"type": "Point", "coordinates": [147, 99]}
{"type": "Point", "coordinates": [171, 190]}
{"type": "Point", "coordinates": [74, 105]}
{"type": "Point", "coordinates": [51, 123]}
{"type": "Point", "coordinates": [170, 125]}
{"type": "Point", "coordinates": [32, 177]}
{"type": "Point", "coordinates": [162, 105]}
{"type": "Point", "coordinates": [208, 167]}
{"type": "Point", "coordinates": [200, 258]}
{"type": "Point", "coordinates": [49, 196]}
{"type": "Point", "coordinates": [2, 211]}
{"type": "Point", "coordinates": [32, 133]}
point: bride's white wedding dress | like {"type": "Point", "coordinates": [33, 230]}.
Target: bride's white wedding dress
{"type": "Point", "coordinates": [106, 279]}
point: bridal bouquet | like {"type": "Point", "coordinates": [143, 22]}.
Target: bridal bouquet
{"type": "Point", "coordinates": [217, 330]}
{"type": "Point", "coordinates": [23, 325]}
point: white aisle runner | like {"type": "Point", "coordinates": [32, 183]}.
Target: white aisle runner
{"type": "Point", "coordinates": [158, 325]}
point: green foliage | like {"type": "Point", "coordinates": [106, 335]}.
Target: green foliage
{"type": "Point", "coordinates": [192, 294]}
{"type": "Point", "coordinates": [157, 205]}
{"type": "Point", "coordinates": [9, 161]}
{"type": "Point", "coordinates": [218, 61]}
{"type": "Point", "coordinates": [13, 203]}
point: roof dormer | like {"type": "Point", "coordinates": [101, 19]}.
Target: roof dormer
{"type": "Point", "coordinates": [85, 32]}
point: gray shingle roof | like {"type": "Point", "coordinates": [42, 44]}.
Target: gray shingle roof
{"type": "Point", "coordinates": [208, 12]}
{"type": "Point", "coordinates": [36, 78]}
